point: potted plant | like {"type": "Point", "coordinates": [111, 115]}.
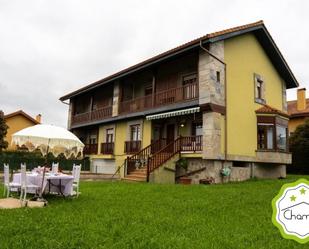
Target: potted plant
{"type": "Point", "coordinates": [183, 163]}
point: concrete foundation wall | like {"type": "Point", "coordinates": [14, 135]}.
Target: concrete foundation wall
{"type": "Point", "coordinates": [166, 173]}
{"type": "Point", "coordinates": [212, 168]}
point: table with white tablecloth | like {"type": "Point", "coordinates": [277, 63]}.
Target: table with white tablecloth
{"type": "Point", "coordinates": [53, 183]}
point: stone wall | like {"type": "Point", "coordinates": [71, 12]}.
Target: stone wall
{"type": "Point", "coordinates": [164, 174]}
{"type": "Point", "coordinates": [211, 168]}
{"type": "Point", "coordinates": [210, 89]}
{"type": "Point", "coordinates": [268, 171]}
{"type": "Point", "coordinates": [212, 135]}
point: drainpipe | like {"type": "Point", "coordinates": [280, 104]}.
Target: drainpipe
{"type": "Point", "coordinates": [225, 101]}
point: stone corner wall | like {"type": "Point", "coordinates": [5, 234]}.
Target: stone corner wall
{"type": "Point", "coordinates": [212, 135]}
{"type": "Point", "coordinates": [210, 89]}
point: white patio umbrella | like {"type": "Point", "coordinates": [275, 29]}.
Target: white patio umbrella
{"type": "Point", "coordinates": [49, 139]}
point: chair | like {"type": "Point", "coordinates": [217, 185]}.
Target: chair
{"type": "Point", "coordinates": [24, 184]}
{"type": "Point", "coordinates": [7, 184]}
{"type": "Point", "coordinates": [76, 175]}
{"type": "Point", "coordinates": [55, 168]}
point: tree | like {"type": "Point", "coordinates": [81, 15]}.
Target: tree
{"type": "Point", "coordinates": [299, 146]}
{"type": "Point", "coordinates": [3, 132]}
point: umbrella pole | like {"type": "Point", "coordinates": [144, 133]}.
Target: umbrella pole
{"type": "Point", "coordinates": [45, 164]}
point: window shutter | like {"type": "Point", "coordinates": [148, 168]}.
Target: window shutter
{"type": "Point", "coordinates": [263, 89]}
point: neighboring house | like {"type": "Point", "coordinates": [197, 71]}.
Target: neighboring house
{"type": "Point", "coordinates": [218, 101]}
{"type": "Point", "coordinates": [298, 110]}
{"type": "Point", "coordinates": [17, 121]}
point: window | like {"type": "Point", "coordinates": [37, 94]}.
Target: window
{"type": "Point", "coordinates": [110, 135]}
{"type": "Point", "coordinates": [197, 129]}
{"type": "Point", "coordinates": [259, 89]}
{"type": "Point", "coordinates": [93, 139]}
{"type": "Point", "coordinates": [272, 133]}
{"type": "Point", "coordinates": [281, 137]}
{"type": "Point", "coordinates": [135, 132]}
{"type": "Point", "coordinates": [189, 83]}
{"type": "Point", "coordinates": [218, 76]}
{"type": "Point", "coordinates": [148, 90]}
{"type": "Point", "coordinates": [189, 79]}
{"type": "Point", "coordinates": [265, 136]}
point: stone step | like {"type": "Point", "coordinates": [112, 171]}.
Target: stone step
{"type": "Point", "coordinates": [136, 176]}
{"type": "Point", "coordinates": [138, 172]}
{"type": "Point", "coordinates": [131, 179]}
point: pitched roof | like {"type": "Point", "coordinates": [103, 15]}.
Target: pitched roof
{"type": "Point", "coordinates": [257, 27]}
{"type": "Point", "coordinates": [21, 112]}
{"type": "Point", "coordinates": [292, 109]}
{"type": "Point", "coordinates": [266, 109]}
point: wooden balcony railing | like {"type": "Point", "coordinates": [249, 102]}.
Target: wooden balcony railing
{"type": "Point", "coordinates": [107, 148]}
{"type": "Point", "coordinates": [94, 115]}
{"type": "Point", "coordinates": [91, 149]}
{"type": "Point", "coordinates": [131, 147]}
{"type": "Point", "coordinates": [163, 98]}
{"type": "Point", "coordinates": [192, 143]}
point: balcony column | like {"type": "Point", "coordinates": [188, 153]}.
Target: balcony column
{"type": "Point", "coordinates": [116, 97]}
{"type": "Point", "coordinates": [153, 88]}
{"type": "Point", "coordinates": [90, 107]}
{"type": "Point", "coordinates": [70, 114]}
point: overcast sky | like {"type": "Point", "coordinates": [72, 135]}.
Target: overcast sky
{"type": "Point", "coordinates": [49, 48]}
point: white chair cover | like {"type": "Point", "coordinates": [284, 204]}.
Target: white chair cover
{"type": "Point", "coordinates": [6, 174]}
{"type": "Point", "coordinates": [55, 168]}
{"type": "Point", "coordinates": [76, 172]}
{"type": "Point", "coordinates": [23, 176]}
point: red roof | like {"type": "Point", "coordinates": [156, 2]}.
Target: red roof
{"type": "Point", "coordinates": [179, 49]}
{"type": "Point", "coordinates": [266, 109]}
{"type": "Point", "coordinates": [21, 112]}
{"type": "Point", "coordinates": [292, 109]}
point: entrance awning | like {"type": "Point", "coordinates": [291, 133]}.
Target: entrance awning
{"type": "Point", "coordinates": [173, 114]}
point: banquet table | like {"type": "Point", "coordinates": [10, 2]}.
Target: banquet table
{"type": "Point", "coordinates": [53, 183]}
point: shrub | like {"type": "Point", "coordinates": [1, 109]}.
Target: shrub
{"type": "Point", "coordinates": [3, 132]}
{"type": "Point", "coordinates": [34, 159]}
{"type": "Point", "coordinates": [299, 146]}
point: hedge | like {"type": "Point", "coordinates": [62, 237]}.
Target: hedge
{"type": "Point", "coordinates": [34, 159]}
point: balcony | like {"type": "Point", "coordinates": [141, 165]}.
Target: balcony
{"type": "Point", "coordinates": [91, 149]}
{"type": "Point", "coordinates": [192, 144]}
{"type": "Point", "coordinates": [107, 148]}
{"type": "Point", "coordinates": [163, 98]}
{"type": "Point", "coordinates": [94, 115]}
{"type": "Point", "coordinates": [131, 147]}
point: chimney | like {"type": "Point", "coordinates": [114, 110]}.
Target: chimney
{"type": "Point", "coordinates": [38, 118]}
{"type": "Point", "coordinates": [301, 99]}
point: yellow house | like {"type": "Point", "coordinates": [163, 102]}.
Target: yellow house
{"type": "Point", "coordinates": [217, 102]}
{"type": "Point", "coordinates": [17, 121]}
{"type": "Point", "coordinates": [298, 110]}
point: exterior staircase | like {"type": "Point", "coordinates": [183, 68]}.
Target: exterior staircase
{"type": "Point", "coordinates": [140, 165]}
{"type": "Point", "coordinates": [137, 175]}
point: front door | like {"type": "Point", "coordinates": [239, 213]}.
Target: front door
{"type": "Point", "coordinates": [170, 133]}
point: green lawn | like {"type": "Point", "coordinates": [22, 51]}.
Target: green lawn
{"type": "Point", "coordinates": [124, 215]}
